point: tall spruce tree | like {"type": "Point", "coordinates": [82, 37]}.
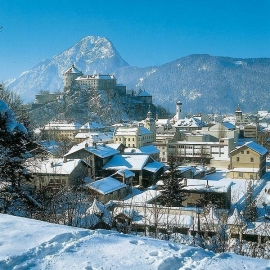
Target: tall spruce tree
{"type": "Point", "coordinates": [13, 149]}
{"type": "Point", "coordinates": [172, 194]}
{"type": "Point", "coordinates": [250, 212]}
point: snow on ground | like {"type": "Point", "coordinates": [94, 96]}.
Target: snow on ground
{"type": "Point", "coordinates": [32, 244]}
{"type": "Point", "coordinates": [239, 187]}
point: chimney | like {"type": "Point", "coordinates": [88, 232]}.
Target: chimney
{"type": "Point", "coordinates": [51, 164]}
{"type": "Point", "coordinates": [65, 159]}
{"type": "Point", "coordinates": [86, 145]}
{"type": "Point", "coordinates": [207, 185]}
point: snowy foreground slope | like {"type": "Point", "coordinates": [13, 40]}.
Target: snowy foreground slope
{"type": "Point", "coordinates": [31, 244]}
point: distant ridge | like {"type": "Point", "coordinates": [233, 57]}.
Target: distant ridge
{"type": "Point", "coordinates": [204, 83]}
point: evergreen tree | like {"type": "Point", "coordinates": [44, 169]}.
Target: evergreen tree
{"type": "Point", "coordinates": [250, 211]}
{"type": "Point", "coordinates": [172, 194]}
{"type": "Point", "coordinates": [13, 149]}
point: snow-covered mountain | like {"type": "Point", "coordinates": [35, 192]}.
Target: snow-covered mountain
{"type": "Point", "coordinates": [32, 244]}
{"type": "Point", "coordinates": [92, 55]}
{"type": "Point", "coordinates": [203, 83]}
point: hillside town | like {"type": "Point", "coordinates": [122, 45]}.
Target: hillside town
{"type": "Point", "coordinates": [200, 178]}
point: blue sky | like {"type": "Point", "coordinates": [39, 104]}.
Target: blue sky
{"type": "Point", "coordinates": [144, 32]}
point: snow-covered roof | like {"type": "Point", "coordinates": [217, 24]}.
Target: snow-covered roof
{"type": "Point", "coordinates": [132, 150]}
{"type": "Point", "coordinates": [144, 197]}
{"type": "Point", "coordinates": [62, 126]}
{"type": "Point", "coordinates": [52, 166]}
{"type": "Point", "coordinates": [113, 145]}
{"type": "Point", "coordinates": [149, 149]}
{"type": "Point", "coordinates": [144, 94]}
{"type": "Point", "coordinates": [106, 185]}
{"type": "Point", "coordinates": [95, 136]}
{"type": "Point", "coordinates": [131, 162]}
{"type": "Point", "coordinates": [257, 148]}
{"type": "Point", "coordinates": [228, 125]}
{"type": "Point", "coordinates": [183, 169]}
{"type": "Point", "coordinates": [92, 125]}
{"type": "Point", "coordinates": [125, 173]}
{"type": "Point", "coordinates": [98, 150]}
{"type": "Point", "coordinates": [73, 70]}
{"type": "Point", "coordinates": [96, 77]}
{"type": "Point", "coordinates": [220, 186]}
{"type": "Point", "coordinates": [248, 170]}
{"type": "Point", "coordinates": [162, 122]}
{"type": "Point", "coordinates": [129, 131]}
{"type": "Point", "coordinates": [189, 122]}
{"type": "Point", "coordinates": [153, 166]}
{"type": "Point", "coordinates": [164, 219]}
{"type": "Point", "coordinates": [251, 145]}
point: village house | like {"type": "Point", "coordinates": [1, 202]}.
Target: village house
{"type": "Point", "coordinates": [96, 155]}
{"type": "Point", "coordinates": [201, 152]}
{"type": "Point", "coordinates": [58, 173]}
{"type": "Point", "coordinates": [201, 192]}
{"type": "Point", "coordinates": [60, 130]}
{"type": "Point", "coordinates": [248, 161]}
{"type": "Point", "coordinates": [107, 189]}
{"type": "Point", "coordinates": [145, 168]}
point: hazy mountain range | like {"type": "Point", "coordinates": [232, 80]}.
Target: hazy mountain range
{"type": "Point", "coordinates": [203, 83]}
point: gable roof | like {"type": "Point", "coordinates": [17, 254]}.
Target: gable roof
{"type": "Point", "coordinates": [53, 166]}
{"type": "Point", "coordinates": [253, 146]}
{"type": "Point", "coordinates": [106, 185]}
{"type": "Point", "coordinates": [257, 148]}
{"type": "Point", "coordinates": [228, 125]}
{"type": "Point", "coordinates": [144, 94]}
{"type": "Point", "coordinates": [149, 149]}
{"type": "Point", "coordinates": [131, 162]}
{"type": "Point", "coordinates": [99, 150]}
{"type": "Point", "coordinates": [73, 70]}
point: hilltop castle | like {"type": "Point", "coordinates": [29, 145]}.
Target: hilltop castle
{"type": "Point", "coordinates": [73, 76]}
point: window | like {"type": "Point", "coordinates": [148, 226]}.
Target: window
{"type": "Point", "coordinates": [247, 152]}
{"type": "Point", "coordinates": [251, 159]}
{"type": "Point", "coordinates": [237, 159]}
{"type": "Point", "coordinates": [240, 174]}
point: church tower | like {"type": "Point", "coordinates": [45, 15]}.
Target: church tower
{"type": "Point", "coordinates": [150, 123]}
{"type": "Point", "coordinates": [238, 116]}
{"type": "Point", "coordinates": [70, 75]}
{"type": "Point", "coordinates": [178, 115]}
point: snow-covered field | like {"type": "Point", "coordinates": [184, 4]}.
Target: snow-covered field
{"type": "Point", "coordinates": [31, 244]}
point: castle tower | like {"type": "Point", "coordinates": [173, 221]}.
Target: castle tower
{"type": "Point", "coordinates": [178, 110]}
{"type": "Point", "coordinates": [150, 123]}
{"type": "Point", "coordinates": [238, 116]}
{"type": "Point", "coordinates": [70, 75]}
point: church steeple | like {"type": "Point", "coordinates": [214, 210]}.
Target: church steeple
{"type": "Point", "coordinates": [238, 115]}
{"type": "Point", "coordinates": [150, 123]}
{"type": "Point", "coordinates": [178, 110]}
